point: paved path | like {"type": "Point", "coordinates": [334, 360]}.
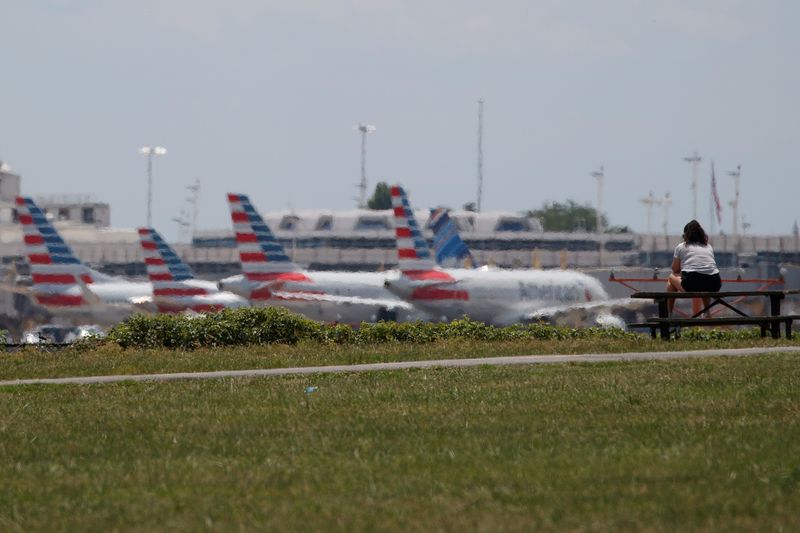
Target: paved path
{"type": "Point", "coordinates": [489, 361]}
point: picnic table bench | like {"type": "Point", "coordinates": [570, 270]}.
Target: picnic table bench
{"type": "Point", "coordinates": [770, 323]}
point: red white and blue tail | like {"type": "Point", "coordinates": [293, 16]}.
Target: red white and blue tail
{"type": "Point", "coordinates": [56, 271]}
{"type": "Point", "coordinates": [166, 270]}
{"type": "Point", "coordinates": [175, 288]}
{"type": "Point", "coordinates": [413, 255]}
{"type": "Point", "coordinates": [263, 257]}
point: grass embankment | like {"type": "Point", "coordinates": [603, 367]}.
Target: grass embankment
{"type": "Point", "coordinates": [692, 444]}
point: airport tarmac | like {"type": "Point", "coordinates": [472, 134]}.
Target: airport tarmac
{"type": "Point", "coordinates": [438, 363]}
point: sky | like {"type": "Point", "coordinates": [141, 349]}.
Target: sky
{"type": "Point", "coordinates": [260, 97]}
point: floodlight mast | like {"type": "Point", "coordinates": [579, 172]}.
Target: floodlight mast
{"type": "Point", "coordinates": [649, 201]}
{"type": "Point", "coordinates": [737, 178]}
{"type": "Point", "coordinates": [364, 129]}
{"type": "Point", "coordinates": [694, 159]}
{"type": "Point", "coordinates": [599, 175]}
{"type": "Point", "coordinates": [151, 151]}
{"type": "Point", "coordinates": [666, 202]}
{"type": "Point", "coordinates": [480, 153]}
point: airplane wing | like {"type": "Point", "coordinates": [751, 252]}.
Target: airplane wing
{"type": "Point", "coordinates": [596, 310]}
{"type": "Point", "coordinates": [344, 300]}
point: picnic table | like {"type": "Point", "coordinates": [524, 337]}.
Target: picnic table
{"type": "Point", "coordinates": [770, 323]}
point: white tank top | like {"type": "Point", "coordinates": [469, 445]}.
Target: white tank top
{"type": "Point", "coordinates": [696, 258]}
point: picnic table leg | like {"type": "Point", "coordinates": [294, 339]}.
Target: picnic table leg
{"type": "Point", "coordinates": [775, 310]}
{"type": "Point", "coordinates": [774, 305]}
{"type": "Point", "coordinates": [663, 312]}
{"type": "Point", "coordinates": [789, 328]}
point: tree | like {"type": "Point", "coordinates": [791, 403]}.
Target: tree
{"type": "Point", "coordinates": [569, 216]}
{"type": "Point", "coordinates": [470, 206]}
{"type": "Point", "coordinates": [381, 198]}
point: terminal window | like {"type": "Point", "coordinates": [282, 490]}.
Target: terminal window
{"type": "Point", "coordinates": [325, 222]}
{"type": "Point", "coordinates": [289, 222]}
{"type": "Point", "coordinates": [367, 223]}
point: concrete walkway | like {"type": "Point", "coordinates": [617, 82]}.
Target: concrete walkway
{"type": "Point", "coordinates": [443, 363]}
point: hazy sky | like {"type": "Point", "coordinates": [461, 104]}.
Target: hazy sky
{"type": "Point", "coordinates": [260, 97]}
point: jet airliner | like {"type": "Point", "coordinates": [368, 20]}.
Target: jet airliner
{"type": "Point", "coordinates": [498, 297]}
{"type": "Point", "coordinates": [270, 278]}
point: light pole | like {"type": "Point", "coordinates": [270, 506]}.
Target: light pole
{"type": "Point", "coordinates": [695, 161]}
{"type": "Point", "coordinates": [649, 202]}
{"type": "Point", "coordinates": [737, 178]}
{"type": "Point", "coordinates": [151, 151]}
{"type": "Point", "coordinates": [599, 175]}
{"type": "Point", "coordinates": [480, 153]}
{"type": "Point", "coordinates": [666, 202]}
{"type": "Point", "coordinates": [364, 129]}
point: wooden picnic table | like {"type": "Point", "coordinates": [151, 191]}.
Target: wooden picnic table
{"type": "Point", "coordinates": [769, 323]}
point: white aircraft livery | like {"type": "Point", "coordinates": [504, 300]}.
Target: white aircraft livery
{"type": "Point", "coordinates": [498, 297]}
{"type": "Point", "coordinates": [271, 279]}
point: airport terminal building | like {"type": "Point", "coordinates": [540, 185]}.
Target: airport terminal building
{"type": "Point", "coordinates": [361, 239]}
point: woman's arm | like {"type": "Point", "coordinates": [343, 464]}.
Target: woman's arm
{"type": "Point", "coordinates": [676, 265]}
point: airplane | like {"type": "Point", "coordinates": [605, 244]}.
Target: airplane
{"type": "Point", "coordinates": [175, 289]}
{"type": "Point", "coordinates": [498, 297]}
{"type": "Point", "coordinates": [448, 247]}
{"type": "Point", "coordinates": [64, 285]}
{"type": "Point", "coordinates": [270, 278]}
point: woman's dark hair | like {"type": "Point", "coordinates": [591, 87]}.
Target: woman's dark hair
{"type": "Point", "coordinates": [693, 233]}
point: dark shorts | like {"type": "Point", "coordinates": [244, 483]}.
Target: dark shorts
{"type": "Point", "coordinates": [697, 282]}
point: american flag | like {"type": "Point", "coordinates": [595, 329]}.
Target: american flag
{"type": "Point", "coordinates": [714, 195]}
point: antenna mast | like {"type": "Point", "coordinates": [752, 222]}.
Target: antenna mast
{"type": "Point", "coordinates": [195, 201]}
{"type": "Point", "coordinates": [480, 152]}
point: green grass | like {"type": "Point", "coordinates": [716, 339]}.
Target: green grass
{"type": "Point", "coordinates": [110, 359]}
{"type": "Point", "coordinates": [693, 444]}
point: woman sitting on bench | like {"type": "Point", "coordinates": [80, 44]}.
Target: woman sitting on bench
{"type": "Point", "coordinates": [694, 268]}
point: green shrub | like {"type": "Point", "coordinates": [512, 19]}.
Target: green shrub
{"type": "Point", "coordinates": [272, 325]}
{"type": "Point", "coordinates": [709, 334]}
{"type": "Point", "coordinates": [231, 327]}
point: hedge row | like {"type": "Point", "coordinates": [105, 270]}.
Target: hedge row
{"type": "Point", "coordinates": [270, 325]}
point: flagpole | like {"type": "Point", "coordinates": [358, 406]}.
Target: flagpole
{"type": "Point", "coordinates": [715, 199]}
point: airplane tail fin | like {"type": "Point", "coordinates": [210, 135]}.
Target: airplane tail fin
{"type": "Point", "coordinates": [56, 271]}
{"type": "Point", "coordinates": [413, 255]}
{"type": "Point", "coordinates": [263, 257]}
{"type": "Point", "coordinates": [449, 248]}
{"type": "Point", "coordinates": [166, 270]}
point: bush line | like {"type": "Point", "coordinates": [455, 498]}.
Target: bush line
{"type": "Point", "coordinates": [272, 325]}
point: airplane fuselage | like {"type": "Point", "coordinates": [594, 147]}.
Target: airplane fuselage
{"type": "Point", "coordinates": [343, 297]}
{"type": "Point", "coordinates": [499, 297]}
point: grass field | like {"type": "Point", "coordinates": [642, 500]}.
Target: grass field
{"type": "Point", "coordinates": [692, 444]}
{"type": "Point", "coordinates": [110, 359]}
